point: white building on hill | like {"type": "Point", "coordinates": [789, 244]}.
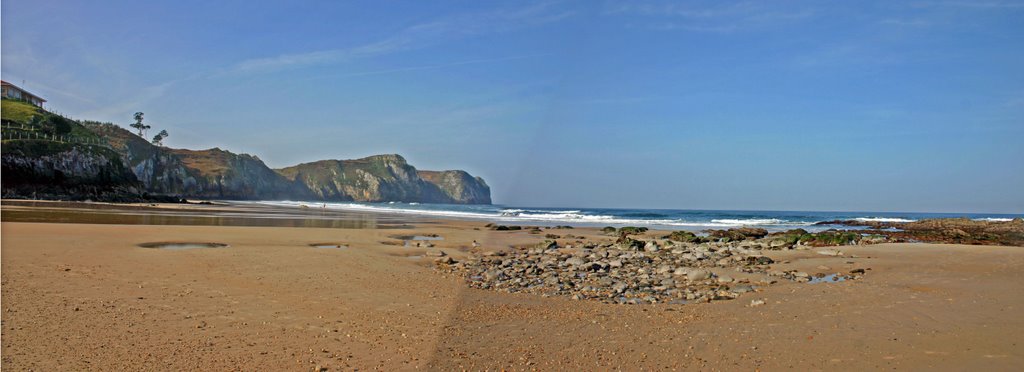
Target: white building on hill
{"type": "Point", "coordinates": [14, 92]}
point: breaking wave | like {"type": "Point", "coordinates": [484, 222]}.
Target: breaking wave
{"type": "Point", "coordinates": [657, 218]}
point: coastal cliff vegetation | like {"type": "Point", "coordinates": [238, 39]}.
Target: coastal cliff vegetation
{"type": "Point", "coordinates": [50, 156]}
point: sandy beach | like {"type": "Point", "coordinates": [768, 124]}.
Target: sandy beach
{"type": "Point", "coordinates": [86, 296]}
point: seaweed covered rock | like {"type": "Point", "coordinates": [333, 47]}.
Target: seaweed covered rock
{"type": "Point", "coordinates": [632, 230]}
{"type": "Point", "coordinates": [683, 236]}
{"type": "Point", "coordinates": [627, 243]}
{"type": "Point", "coordinates": [740, 233]}
{"type": "Point", "coordinates": [830, 238]}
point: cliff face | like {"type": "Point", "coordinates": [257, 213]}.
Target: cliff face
{"type": "Point", "coordinates": [226, 175]}
{"type": "Point", "coordinates": [110, 163]}
{"type": "Point", "coordinates": [212, 173]}
{"type": "Point", "coordinates": [385, 178]}
{"type": "Point", "coordinates": [46, 169]}
{"type": "Point", "coordinates": [49, 156]}
{"type": "Point", "coordinates": [459, 186]}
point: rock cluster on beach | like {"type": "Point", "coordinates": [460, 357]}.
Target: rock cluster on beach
{"type": "Point", "coordinates": [686, 267]}
{"type": "Point", "coordinates": [944, 230]}
{"type": "Point", "coordinates": [631, 270]}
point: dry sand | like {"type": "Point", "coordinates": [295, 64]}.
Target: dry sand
{"type": "Point", "coordinates": [86, 297]}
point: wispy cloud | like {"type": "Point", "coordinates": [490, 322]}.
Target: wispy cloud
{"type": "Point", "coordinates": [426, 67]}
{"type": "Point", "coordinates": [1015, 100]}
{"type": "Point", "coordinates": [973, 4]}
{"type": "Point", "coordinates": [622, 100]}
{"type": "Point", "coordinates": [853, 53]}
{"type": "Point", "coordinates": [906, 22]}
{"type": "Point", "coordinates": [23, 59]}
{"type": "Point", "coordinates": [124, 107]}
{"type": "Point", "coordinates": [415, 37]}
{"type": "Point", "coordinates": [716, 17]}
{"type": "Point", "coordinates": [44, 89]}
{"type": "Point", "coordinates": [320, 57]}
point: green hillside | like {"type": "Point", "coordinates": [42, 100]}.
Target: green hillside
{"type": "Point", "coordinates": [25, 118]}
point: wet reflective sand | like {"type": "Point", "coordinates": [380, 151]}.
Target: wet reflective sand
{"type": "Point", "coordinates": [221, 214]}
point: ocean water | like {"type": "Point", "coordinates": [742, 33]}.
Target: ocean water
{"type": "Point", "coordinates": [671, 219]}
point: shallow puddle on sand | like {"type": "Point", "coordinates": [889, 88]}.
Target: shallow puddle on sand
{"type": "Point", "coordinates": [177, 246]}
{"type": "Point", "coordinates": [407, 240]}
{"type": "Point", "coordinates": [830, 278]}
{"type": "Point", "coordinates": [328, 245]}
{"type": "Point", "coordinates": [418, 237]}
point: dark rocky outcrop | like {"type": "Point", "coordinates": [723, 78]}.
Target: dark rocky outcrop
{"type": "Point", "coordinates": [739, 233]}
{"type": "Point", "coordinates": [53, 170]}
{"type": "Point", "coordinates": [945, 230]}
{"type": "Point", "coordinates": [683, 236]}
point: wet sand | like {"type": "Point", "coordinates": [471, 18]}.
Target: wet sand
{"type": "Point", "coordinates": [84, 296]}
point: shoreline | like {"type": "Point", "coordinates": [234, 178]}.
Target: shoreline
{"type": "Point", "coordinates": [984, 231]}
{"type": "Point", "coordinates": [87, 296]}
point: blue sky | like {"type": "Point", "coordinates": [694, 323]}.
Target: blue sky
{"type": "Point", "coordinates": [794, 105]}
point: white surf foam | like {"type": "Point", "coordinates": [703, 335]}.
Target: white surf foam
{"type": "Point", "coordinates": [756, 221]}
{"type": "Point", "coordinates": [528, 215]}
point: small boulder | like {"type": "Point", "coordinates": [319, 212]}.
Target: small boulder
{"type": "Point", "coordinates": [698, 274]}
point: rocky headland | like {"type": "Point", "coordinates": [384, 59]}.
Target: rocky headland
{"type": "Point", "coordinates": [386, 178]}
{"type": "Point", "coordinates": [47, 156]}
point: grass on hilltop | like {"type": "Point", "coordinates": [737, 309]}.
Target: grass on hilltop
{"type": "Point", "coordinates": [28, 119]}
{"type": "Point", "coordinates": [18, 111]}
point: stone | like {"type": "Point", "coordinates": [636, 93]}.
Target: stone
{"type": "Point", "coordinates": [619, 287]}
{"type": "Point", "coordinates": [759, 260]}
{"type": "Point", "coordinates": [742, 288]}
{"type": "Point", "coordinates": [492, 274]}
{"type": "Point", "coordinates": [698, 274]}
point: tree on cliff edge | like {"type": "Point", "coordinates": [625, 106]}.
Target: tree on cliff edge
{"type": "Point", "coordinates": [158, 139]}
{"type": "Point", "coordinates": [142, 128]}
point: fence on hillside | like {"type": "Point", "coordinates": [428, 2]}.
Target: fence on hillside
{"type": "Point", "coordinates": [20, 132]}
